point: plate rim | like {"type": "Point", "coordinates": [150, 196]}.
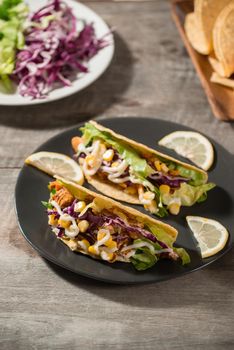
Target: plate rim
{"type": "Point", "coordinates": [48, 257]}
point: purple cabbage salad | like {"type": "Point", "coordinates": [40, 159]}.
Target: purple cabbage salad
{"type": "Point", "coordinates": [55, 50]}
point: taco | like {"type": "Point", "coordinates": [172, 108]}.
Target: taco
{"type": "Point", "coordinates": [134, 173]}
{"type": "Point", "coordinates": [104, 229]}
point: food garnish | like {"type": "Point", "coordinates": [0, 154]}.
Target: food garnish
{"type": "Point", "coordinates": [211, 236]}
{"type": "Point", "coordinates": [191, 145]}
{"type": "Point", "coordinates": [57, 164]}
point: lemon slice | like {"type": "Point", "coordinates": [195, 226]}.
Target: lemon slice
{"type": "Point", "coordinates": [210, 234]}
{"type": "Point", "coordinates": [192, 146]}
{"type": "Point", "coordinates": [57, 164]}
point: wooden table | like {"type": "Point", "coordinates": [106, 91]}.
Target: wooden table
{"type": "Point", "coordinates": [45, 307]}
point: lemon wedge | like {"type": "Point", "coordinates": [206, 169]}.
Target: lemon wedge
{"type": "Point", "coordinates": [192, 146]}
{"type": "Point", "coordinates": [57, 164]}
{"type": "Point", "coordinates": [210, 234]}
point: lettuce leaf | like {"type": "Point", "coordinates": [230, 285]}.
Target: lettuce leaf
{"type": "Point", "coordinates": [185, 258]}
{"type": "Point", "coordinates": [47, 205]}
{"type": "Point", "coordinates": [197, 178]}
{"type": "Point", "coordinates": [12, 16]}
{"type": "Point", "coordinates": [188, 194]}
{"type": "Point", "coordinates": [169, 240]}
{"type": "Point", "coordinates": [161, 235]}
{"type": "Point", "coordinates": [139, 165]}
{"type": "Point", "coordinates": [143, 259]}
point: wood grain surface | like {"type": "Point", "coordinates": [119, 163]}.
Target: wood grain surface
{"type": "Point", "coordinates": [45, 307]}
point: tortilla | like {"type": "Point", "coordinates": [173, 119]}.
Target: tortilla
{"type": "Point", "coordinates": [207, 12]}
{"type": "Point", "coordinates": [215, 78]}
{"type": "Point", "coordinates": [107, 188]}
{"type": "Point", "coordinates": [195, 34]}
{"type": "Point", "coordinates": [116, 193]}
{"type": "Point", "coordinates": [143, 149]}
{"type": "Point", "coordinates": [103, 202]}
{"type": "Point", "coordinates": [217, 66]}
{"type": "Point", "coordinates": [223, 37]}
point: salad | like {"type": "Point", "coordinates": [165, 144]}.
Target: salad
{"type": "Point", "coordinates": [43, 50]}
{"type": "Point", "coordinates": [13, 13]}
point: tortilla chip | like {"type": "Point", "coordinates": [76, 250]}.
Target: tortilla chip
{"type": "Point", "coordinates": [223, 36]}
{"type": "Point", "coordinates": [215, 78]}
{"type": "Point", "coordinates": [217, 66]}
{"type": "Point", "coordinates": [207, 12]}
{"type": "Point", "coordinates": [195, 35]}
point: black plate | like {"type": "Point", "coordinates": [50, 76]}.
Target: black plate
{"type": "Point", "coordinates": [31, 188]}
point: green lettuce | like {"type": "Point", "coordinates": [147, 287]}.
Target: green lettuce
{"type": "Point", "coordinates": [185, 258]}
{"type": "Point", "coordinates": [47, 205]}
{"type": "Point", "coordinates": [188, 194]}
{"type": "Point", "coordinates": [143, 258]}
{"type": "Point", "coordinates": [197, 178]}
{"type": "Point", "coordinates": [161, 235]}
{"type": "Point", "coordinates": [138, 164]}
{"type": "Point", "coordinates": [164, 237]}
{"type": "Point", "coordinates": [12, 16]}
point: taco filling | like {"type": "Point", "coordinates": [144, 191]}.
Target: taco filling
{"type": "Point", "coordinates": [158, 183]}
{"type": "Point", "coordinates": [106, 232]}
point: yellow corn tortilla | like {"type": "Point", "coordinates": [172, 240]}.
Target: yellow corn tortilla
{"type": "Point", "coordinates": [215, 78]}
{"type": "Point", "coordinates": [223, 37]}
{"type": "Point", "coordinates": [114, 190]}
{"type": "Point", "coordinates": [207, 12]}
{"type": "Point", "coordinates": [121, 210]}
{"type": "Point", "coordinates": [195, 34]}
{"type": "Point", "coordinates": [217, 66]}
{"type": "Point", "coordinates": [143, 149]}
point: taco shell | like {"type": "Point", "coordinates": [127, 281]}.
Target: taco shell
{"type": "Point", "coordinates": [107, 188]}
{"type": "Point", "coordinates": [143, 149]}
{"type": "Point", "coordinates": [102, 202]}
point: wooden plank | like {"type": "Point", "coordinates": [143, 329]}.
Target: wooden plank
{"type": "Point", "coordinates": [46, 307]}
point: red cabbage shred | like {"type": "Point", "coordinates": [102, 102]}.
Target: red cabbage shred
{"type": "Point", "coordinates": [53, 55]}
